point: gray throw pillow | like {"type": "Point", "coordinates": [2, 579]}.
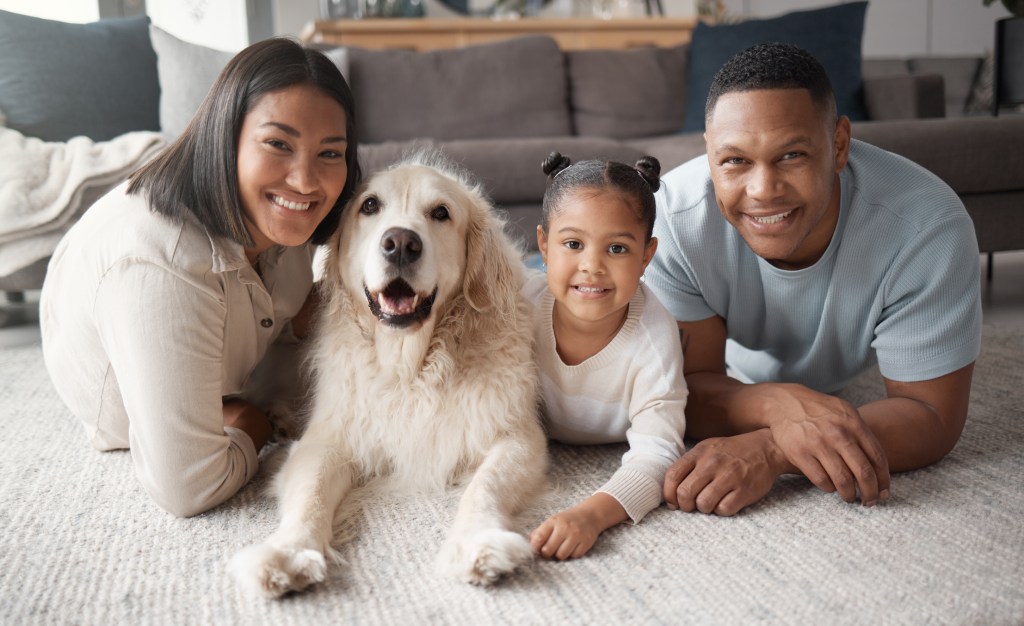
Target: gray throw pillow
{"type": "Point", "coordinates": [60, 80]}
{"type": "Point", "coordinates": [187, 71]}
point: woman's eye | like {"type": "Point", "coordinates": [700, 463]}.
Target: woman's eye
{"type": "Point", "coordinates": [617, 248]}
{"type": "Point", "coordinates": [440, 214]}
{"type": "Point", "coordinates": [274, 143]}
{"type": "Point", "coordinates": [332, 154]}
{"type": "Point", "coordinates": [573, 245]}
{"type": "Point", "coordinates": [370, 206]}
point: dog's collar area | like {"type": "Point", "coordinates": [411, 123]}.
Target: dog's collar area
{"type": "Point", "coordinates": [398, 289]}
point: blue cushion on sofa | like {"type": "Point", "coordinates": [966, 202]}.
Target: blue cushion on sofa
{"type": "Point", "coordinates": [60, 80]}
{"type": "Point", "coordinates": [832, 34]}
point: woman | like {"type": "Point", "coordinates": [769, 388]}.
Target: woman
{"type": "Point", "coordinates": [161, 301]}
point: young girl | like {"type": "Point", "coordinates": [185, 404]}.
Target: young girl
{"type": "Point", "coordinates": [609, 355]}
{"type": "Point", "coordinates": [161, 301]}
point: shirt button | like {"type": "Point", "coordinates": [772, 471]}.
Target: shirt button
{"type": "Point", "coordinates": [266, 322]}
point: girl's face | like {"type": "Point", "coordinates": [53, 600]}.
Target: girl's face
{"type": "Point", "coordinates": [596, 253]}
{"type": "Point", "coordinates": [291, 165]}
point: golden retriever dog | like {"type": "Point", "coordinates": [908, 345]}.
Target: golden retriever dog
{"type": "Point", "coordinates": [423, 373]}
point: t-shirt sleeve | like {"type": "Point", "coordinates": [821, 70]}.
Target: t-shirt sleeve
{"type": "Point", "coordinates": [931, 321]}
{"type": "Point", "coordinates": [164, 336]}
{"type": "Point", "coordinates": [669, 273]}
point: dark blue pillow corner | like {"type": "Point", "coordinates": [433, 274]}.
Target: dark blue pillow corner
{"type": "Point", "coordinates": [833, 35]}
{"type": "Point", "coordinates": [60, 80]}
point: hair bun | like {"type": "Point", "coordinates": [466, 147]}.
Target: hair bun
{"type": "Point", "coordinates": [649, 169]}
{"type": "Point", "coordinates": [555, 163]}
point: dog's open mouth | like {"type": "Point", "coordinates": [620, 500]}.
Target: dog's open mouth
{"type": "Point", "coordinates": [399, 305]}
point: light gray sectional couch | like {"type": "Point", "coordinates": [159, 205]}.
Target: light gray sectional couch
{"type": "Point", "coordinates": [500, 108]}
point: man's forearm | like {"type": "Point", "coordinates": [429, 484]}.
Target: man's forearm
{"type": "Point", "coordinates": [721, 406]}
{"type": "Point", "coordinates": [911, 432]}
{"type": "Point", "coordinates": [917, 425]}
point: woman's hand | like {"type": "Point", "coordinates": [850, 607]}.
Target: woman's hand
{"type": "Point", "coordinates": [240, 414]}
{"type": "Point", "coordinates": [571, 533]}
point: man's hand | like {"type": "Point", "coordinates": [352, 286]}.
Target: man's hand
{"type": "Point", "coordinates": [826, 439]}
{"type": "Point", "coordinates": [723, 475]}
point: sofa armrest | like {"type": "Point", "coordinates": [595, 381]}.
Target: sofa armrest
{"type": "Point", "coordinates": [974, 155]}
{"type": "Point", "coordinates": [905, 96]}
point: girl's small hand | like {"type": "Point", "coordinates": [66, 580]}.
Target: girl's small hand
{"type": "Point", "coordinates": [571, 533]}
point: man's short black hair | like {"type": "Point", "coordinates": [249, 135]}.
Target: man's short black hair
{"type": "Point", "coordinates": [773, 66]}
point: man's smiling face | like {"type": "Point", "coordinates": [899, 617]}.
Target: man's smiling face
{"type": "Point", "coordinates": [775, 159]}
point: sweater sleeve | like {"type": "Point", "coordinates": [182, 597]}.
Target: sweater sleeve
{"type": "Point", "coordinates": [657, 424]}
{"type": "Point", "coordinates": [164, 336]}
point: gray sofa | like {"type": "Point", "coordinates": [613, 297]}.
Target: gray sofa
{"type": "Point", "coordinates": [500, 108]}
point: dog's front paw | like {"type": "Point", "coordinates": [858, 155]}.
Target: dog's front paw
{"type": "Point", "coordinates": [269, 571]}
{"type": "Point", "coordinates": [484, 557]}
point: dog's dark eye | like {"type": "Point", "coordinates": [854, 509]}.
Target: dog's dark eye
{"type": "Point", "coordinates": [440, 213]}
{"type": "Point", "coordinates": [371, 206]}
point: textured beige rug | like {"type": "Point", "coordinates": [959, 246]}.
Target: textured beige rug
{"type": "Point", "coordinates": [81, 544]}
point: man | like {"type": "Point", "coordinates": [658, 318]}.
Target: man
{"type": "Point", "coordinates": [796, 258]}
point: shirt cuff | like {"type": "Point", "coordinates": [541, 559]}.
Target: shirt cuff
{"type": "Point", "coordinates": [635, 491]}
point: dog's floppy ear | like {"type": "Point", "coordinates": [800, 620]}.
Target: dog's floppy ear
{"type": "Point", "coordinates": [492, 277]}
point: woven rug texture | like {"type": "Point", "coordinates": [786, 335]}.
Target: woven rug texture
{"type": "Point", "coordinates": [81, 543]}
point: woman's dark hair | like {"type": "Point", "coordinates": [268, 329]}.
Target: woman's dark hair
{"type": "Point", "coordinates": [197, 174]}
{"type": "Point", "coordinates": [773, 66]}
{"type": "Point", "coordinates": [637, 183]}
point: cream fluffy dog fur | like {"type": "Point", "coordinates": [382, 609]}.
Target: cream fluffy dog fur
{"type": "Point", "coordinates": [423, 373]}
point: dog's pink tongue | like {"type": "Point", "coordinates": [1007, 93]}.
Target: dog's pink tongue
{"type": "Point", "coordinates": [402, 305]}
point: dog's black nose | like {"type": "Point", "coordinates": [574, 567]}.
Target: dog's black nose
{"type": "Point", "coordinates": [401, 246]}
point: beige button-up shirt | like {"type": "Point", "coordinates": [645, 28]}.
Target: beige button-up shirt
{"type": "Point", "coordinates": [148, 325]}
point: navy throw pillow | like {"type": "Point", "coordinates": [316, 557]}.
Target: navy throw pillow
{"type": "Point", "coordinates": [61, 80]}
{"type": "Point", "coordinates": [833, 35]}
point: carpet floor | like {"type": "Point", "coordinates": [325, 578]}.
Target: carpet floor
{"type": "Point", "coordinates": [80, 543]}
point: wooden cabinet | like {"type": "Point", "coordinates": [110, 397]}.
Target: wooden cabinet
{"type": "Point", "coordinates": [570, 33]}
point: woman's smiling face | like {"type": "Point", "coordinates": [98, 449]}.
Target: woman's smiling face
{"type": "Point", "coordinates": [291, 165]}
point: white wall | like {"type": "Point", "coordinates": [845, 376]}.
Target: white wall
{"type": "Point", "coordinates": [905, 27]}
{"type": "Point", "coordinates": [220, 24]}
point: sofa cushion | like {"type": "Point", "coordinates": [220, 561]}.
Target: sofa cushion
{"type": "Point", "coordinates": [513, 88]}
{"type": "Point", "coordinates": [60, 80]}
{"type": "Point", "coordinates": [832, 34]}
{"type": "Point", "coordinates": [187, 71]}
{"type": "Point", "coordinates": [958, 75]}
{"type": "Point", "coordinates": [627, 93]}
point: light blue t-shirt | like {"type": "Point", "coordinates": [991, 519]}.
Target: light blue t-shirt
{"type": "Point", "coordinates": [898, 285]}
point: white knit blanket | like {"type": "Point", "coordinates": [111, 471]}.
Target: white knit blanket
{"type": "Point", "coordinates": [45, 187]}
